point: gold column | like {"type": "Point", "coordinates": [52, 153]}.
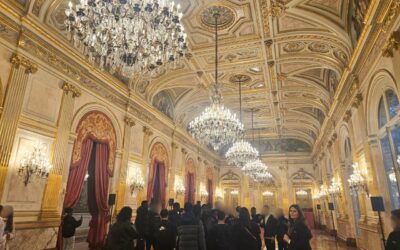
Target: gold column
{"type": "Point", "coordinates": [171, 179]}
{"type": "Point", "coordinates": [129, 123]}
{"type": "Point", "coordinates": [20, 71]}
{"type": "Point", "coordinates": [54, 184]}
{"type": "Point", "coordinates": [146, 159]}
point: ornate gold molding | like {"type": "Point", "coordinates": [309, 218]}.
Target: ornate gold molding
{"type": "Point", "coordinates": [357, 100]}
{"type": "Point", "coordinates": [393, 12]}
{"type": "Point", "coordinates": [129, 121]}
{"type": "Point", "coordinates": [347, 116]}
{"type": "Point", "coordinates": [184, 151]}
{"type": "Point", "coordinates": [68, 87]}
{"type": "Point", "coordinates": [147, 131]}
{"type": "Point", "coordinates": [174, 145]}
{"type": "Point", "coordinates": [392, 44]}
{"type": "Point", "coordinates": [277, 9]}
{"type": "Point", "coordinates": [18, 60]}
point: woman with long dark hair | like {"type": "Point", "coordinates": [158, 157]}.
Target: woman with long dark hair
{"type": "Point", "coordinates": [122, 232]}
{"type": "Point", "coordinates": [245, 233]}
{"type": "Point", "coordinates": [299, 236]}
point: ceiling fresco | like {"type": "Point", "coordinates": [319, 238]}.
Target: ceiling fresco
{"type": "Point", "coordinates": [293, 53]}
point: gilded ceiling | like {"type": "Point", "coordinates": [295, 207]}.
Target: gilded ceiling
{"type": "Point", "coordinates": [293, 53]}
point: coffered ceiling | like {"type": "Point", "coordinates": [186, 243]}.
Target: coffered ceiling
{"type": "Point", "coordinates": [293, 55]}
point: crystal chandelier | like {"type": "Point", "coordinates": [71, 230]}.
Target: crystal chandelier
{"type": "Point", "coordinates": [235, 192]}
{"type": "Point", "coordinates": [136, 181]}
{"type": "Point", "coordinates": [302, 193]}
{"type": "Point", "coordinates": [322, 192]}
{"type": "Point", "coordinates": [264, 177]}
{"type": "Point", "coordinates": [129, 36]}
{"type": "Point", "coordinates": [203, 191]}
{"type": "Point", "coordinates": [357, 181]}
{"type": "Point", "coordinates": [241, 151]}
{"type": "Point", "coordinates": [268, 194]}
{"type": "Point", "coordinates": [34, 164]}
{"type": "Point", "coordinates": [219, 193]}
{"type": "Point", "coordinates": [216, 126]}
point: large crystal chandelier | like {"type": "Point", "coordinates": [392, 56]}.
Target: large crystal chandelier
{"type": "Point", "coordinates": [216, 126]}
{"type": "Point", "coordinates": [241, 151]}
{"type": "Point", "coordinates": [127, 36]}
{"type": "Point", "coordinates": [257, 171]}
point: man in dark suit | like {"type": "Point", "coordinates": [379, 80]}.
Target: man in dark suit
{"type": "Point", "coordinates": [270, 225]}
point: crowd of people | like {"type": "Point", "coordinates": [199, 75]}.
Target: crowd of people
{"type": "Point", "coordinates": [196, 227]}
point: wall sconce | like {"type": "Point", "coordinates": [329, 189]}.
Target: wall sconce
{"type": "Point", "coordinates": [268, 194]}
{"type": "Point", "coordinates": [218, 193]}
{"type": "Point", "coordinates": [203, 192]}
{"type": "Point", "coordinates": [322, 192]}
{"type": "Point", "coordinates": [235, 192]}
{"type": "Point", "coordinates": [178, 186]}
{"type": "Point", "coordinates": [335, 188]}
{"type": "Point", "coordinates": [136, 181]}
{"type": "Point", "coordinates": [316, 196]}
{"type": "Point", "coordinates": [357, 180]}
{"type": "Point", "coordinates": [302, 193]}
{"type": "Point", "coordinates": [34, 164]}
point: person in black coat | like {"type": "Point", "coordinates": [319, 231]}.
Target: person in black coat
{"type": "Point", "coordinates": [140, 223]}
{"type": "Point", "coordinates": [299, 236]}
{"type": "Point", "coordinates": [166, 233]}
{"type": "Point", "coordinates": [282, 229]}
{"type": "Point", "coordinates": [191, 231]}
{"type": "Point", "coordinates": [69, 225]}
{"type": "Point", "coordinates": [245, 233]}
{"type": "Point", "coordinates": [219, 235]}
{"type": "Point", "coordinates": [122, 233]}
{"type": "Point", "coordinates": [270, 225]}
{"type": "Point", "coordinates": [256, 218]}
{"type": "Point", "coordinates": [175, 215]}
{"type": "Point", "coordinates": [393, 241]}
{"type": "Point", "coordinates": [153, 220]}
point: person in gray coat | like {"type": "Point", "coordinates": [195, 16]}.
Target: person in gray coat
{"type": "Point", "coordinates": [191, 231]}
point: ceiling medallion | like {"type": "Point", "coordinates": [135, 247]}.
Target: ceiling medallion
{"type": "Point", "coordinates": [226, 19]}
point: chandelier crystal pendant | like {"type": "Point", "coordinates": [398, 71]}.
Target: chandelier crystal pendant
{"type": "Point", "coordinates": [241, 151]}
{"type": "Point", "coordinates": [216, 126]}
{"type": "Point", "coordinates": [127, 36]}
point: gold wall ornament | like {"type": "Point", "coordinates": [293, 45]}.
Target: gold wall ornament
{"type": "Point", "coordinates": [277, 9]}
{"type": "Point", "coordinates": [18, 60]}
{"type": "Point", "coordinates": [70, 88]}
{"type": "Point", "coordinates": [392, 44]}
{"type": "Point", "coordinates": [225, 20]}
{"type": "Point", "coordinates": [147, 131]}
{"type": "Point", "coordinates": [357, 100]}
{"type": "Point", "coordinates": [394, 10]}
{"type": "Point", "coordinates": [129, 121]}
{"type": "Point", "coordinates": [347, 116]}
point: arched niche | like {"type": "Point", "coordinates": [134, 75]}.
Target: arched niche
{"type": "Point", "coordinates": [158, 174]}
{"type": "Point", "coordinates": [190, 180]}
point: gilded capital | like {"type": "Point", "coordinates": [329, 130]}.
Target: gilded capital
{"type": "Point", "coordinates": [391, 45]}
{"type": "Point", "coordinates": [129, 121]}
{"type": "Point", "coordinates": [174, 145]}
{"type": "Point", "coordinates": [70, 88]}
{"type": "Point", "coordinates": [147, 131]}
{"type": "Point", "coordinates": [357, 101]}
{"type": "Point", "coordinates": [334, 137]}
{"type": "Point", "coordinates": [183, 150]}
{"type": "Point", "coordinates": [18, 60]}
{"type": "Point", "coordinates": [347, 116]}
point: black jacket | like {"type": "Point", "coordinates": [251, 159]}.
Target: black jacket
{"type": "Point", "coordinates": [121, 236]}
{"type": "Point", "coordinates": [300, 236]}
{"type": "Point", "coordinates": [191, 233]}
{"type": "Point", "coordinates": [165, 236]}
{"type": "Point", "coordinates": [283, 226]}
{"type": "Point", "coordinates": [174, 217]}
{"type": "Point", "coordinates": [141, 220]}
{"type": "Point", "coordinates": [153, 220]}
{"type": "Point", "coordinates": [219, 237]}
{"type": "Point", "coordinates": [270, 226]}
{"type": "Point", "coordinates": [246, 238]}
{"type": "Point", "coordinates": [393, 241]}
{"type": "Point", "coordinates": [69, 225]}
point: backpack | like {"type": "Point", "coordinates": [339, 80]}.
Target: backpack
{"type": "Point", "coordinates": [68, 228]}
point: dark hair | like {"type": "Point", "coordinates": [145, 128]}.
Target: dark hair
{"type": "Point", "coordinates": [188, 207]}
{"type": "Point", "coordinates": [124, 215]}
{"type": "Point", "coordinates": [144, 203]}
{"type": "Point", "coordinates": [396, 213]}
{"type": "Point", "coordinates": [10, 221]}
{"type": "Point", "coordinates": [253, 210]}
{"type": "Point", "coordinates": [176, 206]}
{"type": "Point", "coordinates": [244, 217]}
{"type": "Point", "coordinates": [238, 209]}
{"type": "Point", "coordinates": [220, 215]}
{"type": "Point", "coordinates": [301, 217]}
{"type": "Point", "coordinates": [68, 210]}
{"type": "Point", "coordinates": [164, 213]}
{"type": "Point", "coordinates": [197, 210]}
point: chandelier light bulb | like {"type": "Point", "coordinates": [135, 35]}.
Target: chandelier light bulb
{"type": "Point", "coordinates": [302, 193]}
{"type": "Point", "coordinates": [268, 194]}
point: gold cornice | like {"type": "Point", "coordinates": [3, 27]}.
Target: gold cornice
{"type": "Point", "coordinates": [70, 88]}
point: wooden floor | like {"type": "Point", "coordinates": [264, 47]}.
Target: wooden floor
{"type": "Point", "coordinates": [320, 241]}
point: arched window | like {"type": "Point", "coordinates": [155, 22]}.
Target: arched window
{"type": "Point", "coordinates": [389, 136]}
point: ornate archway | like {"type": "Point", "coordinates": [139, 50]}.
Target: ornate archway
{"type": "Point", "coordinates": [158, 174]}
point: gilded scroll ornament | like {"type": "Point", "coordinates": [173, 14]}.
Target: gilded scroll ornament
{"type": "Point", "coordinates": [18, 60]}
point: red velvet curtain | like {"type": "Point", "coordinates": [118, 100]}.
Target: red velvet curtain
{"type": "Point", "coordinates": [97, 197]}
{"type": "Point", "coordinates": [156, 189]}
{"type": "Point", "coordinates": [210, 191]}
{"type": "Point", "coordinates": [190, 188]}
{"type": "Point", "coordinates": [75, 182]}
